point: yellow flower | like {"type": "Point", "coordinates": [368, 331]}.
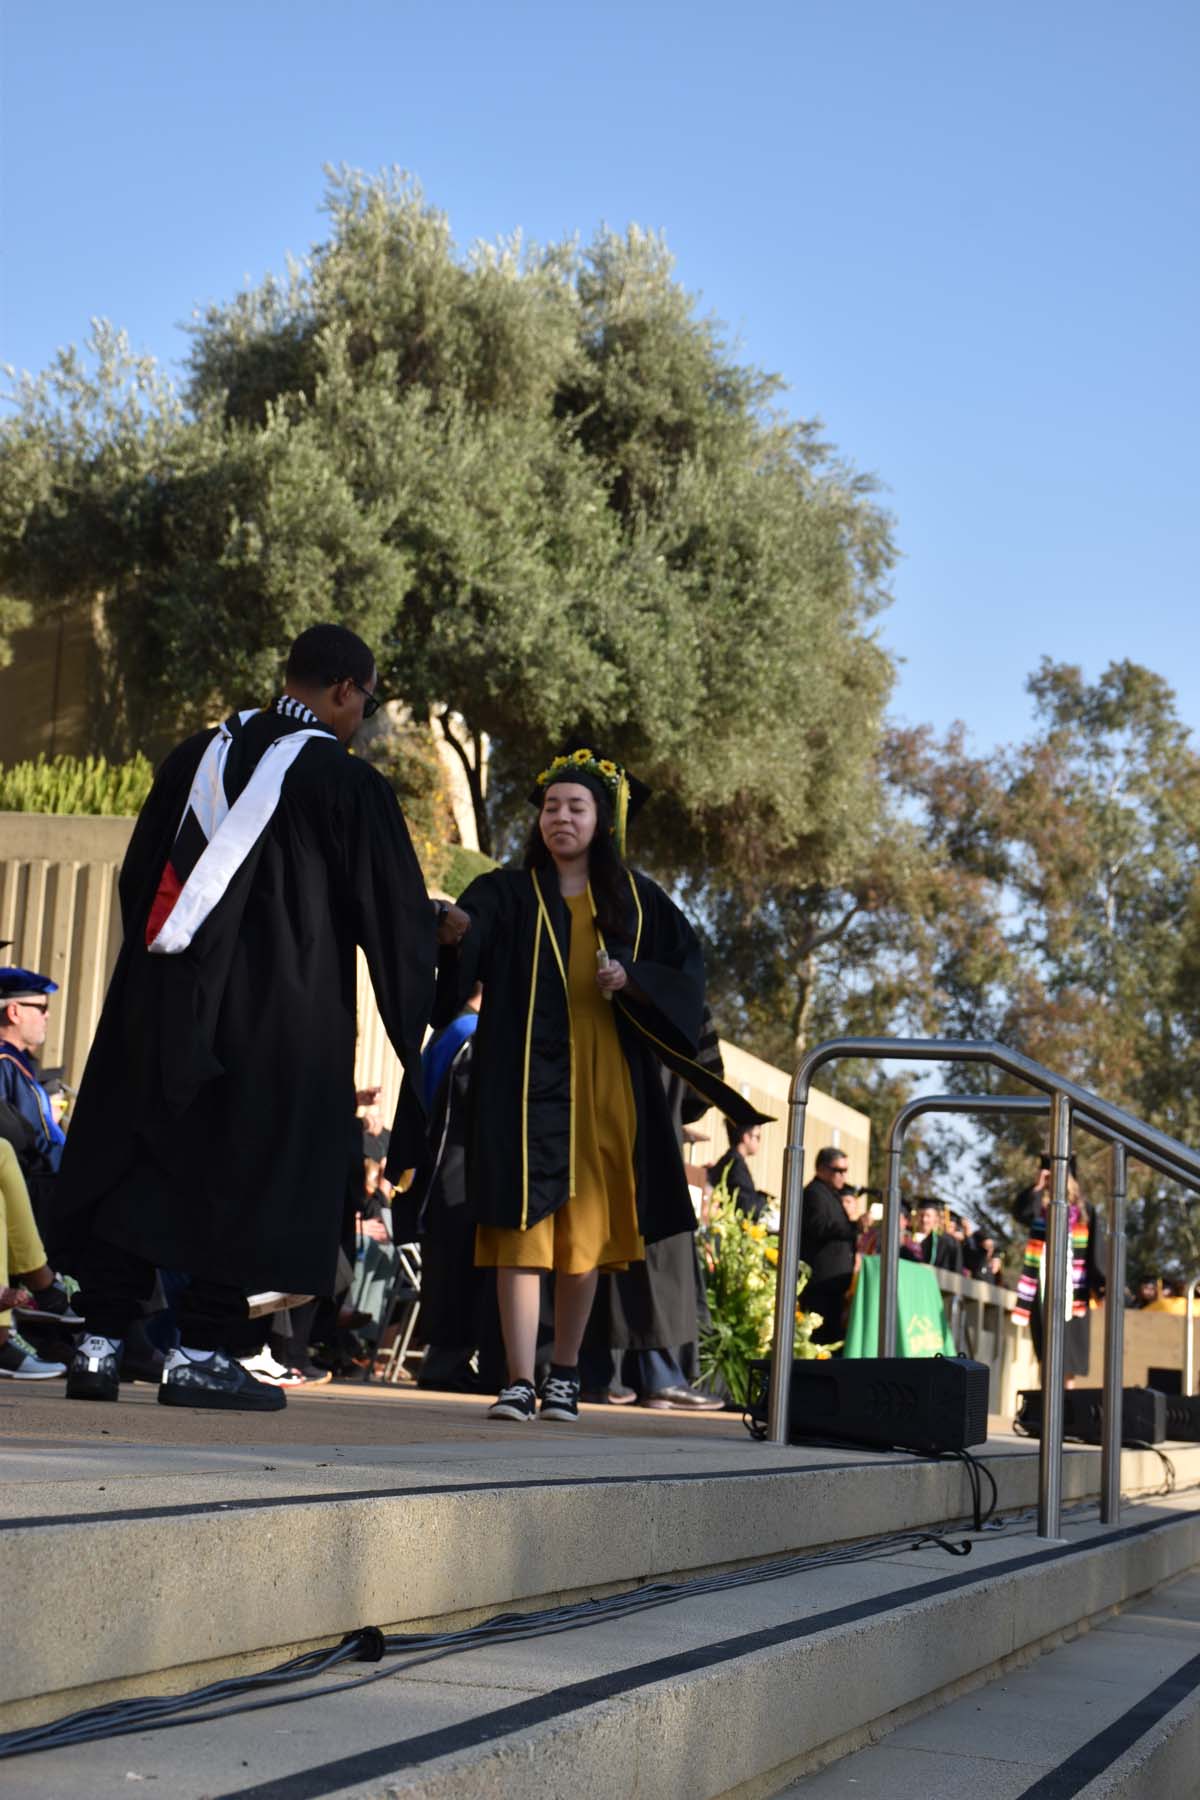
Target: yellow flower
{"type": "Point", "coordinates": [606, 768]}
{"type": "Point", "coordinates": [823, 1355]}
{"type": "Point", "coordinates": [772, 1256]}
{"type": "Point", "coordinates": [581, 757]}
{"type": "Point", "coordinates": [758, 1233]}
{"type": "Point", "coordinates": [543, 778]}
{"type": "Point", "coordinates": [560, 762]}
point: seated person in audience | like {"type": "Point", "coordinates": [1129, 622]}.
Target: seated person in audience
{"type": "Point", "coordinates": [36, 1290]}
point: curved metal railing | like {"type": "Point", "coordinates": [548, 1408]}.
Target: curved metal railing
{"type": "Point", "coordinates": [1114, 1316]}
{"type": "Point", "coordinates": [1066, 1102]}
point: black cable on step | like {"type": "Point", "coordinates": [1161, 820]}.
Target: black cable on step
{"type": "Point", "coordinates": [223, 1699]}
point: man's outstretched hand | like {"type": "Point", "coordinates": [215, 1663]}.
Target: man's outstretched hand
{"type": "Point", "coordinates": [454, 925]}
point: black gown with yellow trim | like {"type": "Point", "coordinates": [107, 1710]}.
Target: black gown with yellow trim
{"type": "Point", "coordinates": [521, 1132]}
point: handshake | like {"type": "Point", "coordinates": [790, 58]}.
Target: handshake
{"type": "Point", "coordinates": [453, 924]}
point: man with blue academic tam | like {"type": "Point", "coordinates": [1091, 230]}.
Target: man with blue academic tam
{"type": "Point", "coordinates": [24, 1003]}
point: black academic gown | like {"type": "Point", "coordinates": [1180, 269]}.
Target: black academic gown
{"type": "Point", "coordinates": [519, 1128]}
{"type": "Point", "coordinates": [214, 1130]}
{"type": "Point", "coordinates": [746, 1197]}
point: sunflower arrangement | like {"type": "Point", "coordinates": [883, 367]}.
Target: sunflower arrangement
{"type": "Point", "coordinates": [740, 1258]}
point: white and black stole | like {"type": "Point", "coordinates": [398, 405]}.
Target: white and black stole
{"type": "Point", "coordinates": [215, 838]}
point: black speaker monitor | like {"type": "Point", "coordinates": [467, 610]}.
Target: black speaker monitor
{"type": "Point", "coordinates": [1143, 1414]}
{"type": "Point", "coordinates": [1183, 1418]}
{"type": "Point", "coordinates": [931, 1404]}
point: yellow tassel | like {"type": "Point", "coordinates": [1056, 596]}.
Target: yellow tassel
{"type": "Point", "coordinates": [621, 814]}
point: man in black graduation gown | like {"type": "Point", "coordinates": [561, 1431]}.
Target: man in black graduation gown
{"type": "Point", "coordinates": [215, 1129]}
{"type": "Point", "coordinates": [744, 1140]}
{"type": "Point", "coordinates": [933, 1243]}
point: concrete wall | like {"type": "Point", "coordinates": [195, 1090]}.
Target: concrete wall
{"type": "Point", "coordinates": [44, 692]}
{"type": "Point", "coordinates": [58, 904]}
{"type": "Point", "coordinates": [1153, 1340]}
{"type": "Point", "coordinates": [766, 1087]}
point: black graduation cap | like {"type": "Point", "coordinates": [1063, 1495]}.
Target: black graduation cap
{"type": "Point", "coordinates": [580, 761]}
{"type": "Point", "coordinates": [24, 984]}
{"type": "Point", "coordinates": [747, 1116]}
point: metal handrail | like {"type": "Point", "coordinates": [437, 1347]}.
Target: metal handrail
{"type": "Point", "coordinates": [1066, 1097]}
{"type": "Point", "coordinates": [1114, 1315]}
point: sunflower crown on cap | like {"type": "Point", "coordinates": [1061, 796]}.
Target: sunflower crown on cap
{"type": "Point", "coordinates": [588, 764]}
{"type": "Point", "coordinates": [603, 770]}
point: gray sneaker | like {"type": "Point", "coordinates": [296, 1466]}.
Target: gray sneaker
{"type": "Point", "coordinates": [19, 1361]}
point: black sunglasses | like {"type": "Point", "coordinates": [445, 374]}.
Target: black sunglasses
{"type": "Point", "coordinates": [371, 702]}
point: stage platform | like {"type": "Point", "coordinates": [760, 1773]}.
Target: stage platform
{"type": "Point", "coordinates": [183, 1546]}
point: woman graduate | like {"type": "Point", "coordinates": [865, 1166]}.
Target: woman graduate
{"type": "Point", "coordinates": [592, 978]}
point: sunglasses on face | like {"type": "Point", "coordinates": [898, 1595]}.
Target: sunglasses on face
{"type": "Point", "coordinates": [371, 702]}
{"type": "Point", "coordinates": [34, 1005]}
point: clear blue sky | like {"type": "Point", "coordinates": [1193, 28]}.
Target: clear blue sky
{"type": "Point", "coordinates": [966, 235]}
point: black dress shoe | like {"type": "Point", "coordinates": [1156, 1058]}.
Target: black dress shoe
{"type": "Point", "coordinates": [218, 1384]}
{"type": "Point", "coordinates": [683, 1399]}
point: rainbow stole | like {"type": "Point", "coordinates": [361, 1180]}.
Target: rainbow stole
{"type": "Point", "coordinates": [1029, 1286]}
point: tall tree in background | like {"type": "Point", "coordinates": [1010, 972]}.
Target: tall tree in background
{"type": "Point", "coordinates": [1081, 847]}
{"type": "Point", "coordinates": [536, 478]}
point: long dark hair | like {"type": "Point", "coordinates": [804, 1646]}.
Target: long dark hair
{"type": "Point", "coordinates": [606, 871]}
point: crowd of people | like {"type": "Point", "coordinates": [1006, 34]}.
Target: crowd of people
{"type": "Point", "coordinates": [223, 1215]}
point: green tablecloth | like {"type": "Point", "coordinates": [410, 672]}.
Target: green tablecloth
{"type": "Point", "coordinates": [921, 1328]}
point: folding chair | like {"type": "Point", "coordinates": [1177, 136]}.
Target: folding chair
{"type": "Point", "coordinates": [401, 1308]}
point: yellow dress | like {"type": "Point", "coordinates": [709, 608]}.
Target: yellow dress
{"type": "Point", "coordinates": [597, 1227]}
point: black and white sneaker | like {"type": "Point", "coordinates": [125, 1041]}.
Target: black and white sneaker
{"type": "Point", "coordinates": [560, 1398]}
{"type": "Point", "coordinates": [217, 1383]}
{"type": "Point", "coordinates": [516, 1401]}
{"type": "Point", "coordinates": [19, 1361]}
{"type": "Point", "coordinates": [52, 1303]}
{"type": "Point", "coordinates": [95, 1371]}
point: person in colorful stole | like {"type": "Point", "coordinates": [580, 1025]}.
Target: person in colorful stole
{"type": "Point", "coordinates": [1086, 1279]}
{"type": "Point", "coordinates": [592, 980]}
{"type": "Point", "coordinates": [215, 1131]}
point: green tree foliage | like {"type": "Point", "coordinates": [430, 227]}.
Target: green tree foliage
{"type": "Point", "coordinates": [535, 477]}
{"type": "Point", "coordinates": [1074, 862]}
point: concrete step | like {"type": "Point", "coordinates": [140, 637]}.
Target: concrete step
{"type": "Point", "coordinates": [300, 1547]}
{"type": "Point", "coordinates": [734, 1694]}
{"type": "Point", "coordinates": [1113, 1713]}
